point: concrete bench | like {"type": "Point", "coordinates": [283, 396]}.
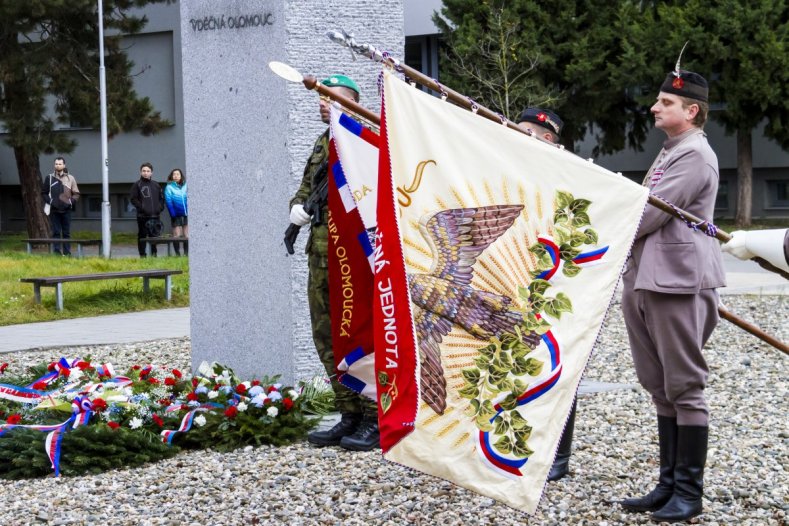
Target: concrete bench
{"type": "Point", "coordinates": [153, 241]}
{"type": "Point", "coordinates": [57, 281]}
{"type": "Point", "coordinates": [51, 241]}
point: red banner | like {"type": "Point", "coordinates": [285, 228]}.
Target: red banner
{"type": "Point", "coordinates": [396, 363]}
{"type": "Point", "coordinates": [350, 285]}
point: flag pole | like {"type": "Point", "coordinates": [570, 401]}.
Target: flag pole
{"type": "Point", "coordinates": [106, 218]}
{"type": "Point", "coordinates": [369, 51]}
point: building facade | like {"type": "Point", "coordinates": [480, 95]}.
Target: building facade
{"type": "Point", "coordinates": [156, 53]}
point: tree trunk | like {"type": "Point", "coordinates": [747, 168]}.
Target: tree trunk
{"type": "Point", "coordinates": [744, 178]}
{"type": "Point", "coordinates": [27, 165]}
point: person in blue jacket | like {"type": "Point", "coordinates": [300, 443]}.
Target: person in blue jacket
{"type": "Point", "coordinates": [175, 199]}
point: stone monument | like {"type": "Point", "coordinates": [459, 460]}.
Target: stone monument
{"type": "Point", "coordinates": [247, 136]}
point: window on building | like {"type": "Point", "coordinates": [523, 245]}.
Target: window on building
{"type": "Point", "coordinates": [126, 209]}
{"type": "Point", "coordinates": [421, 53]}
{"type": "Point", "coordinates": [91, 206]}
{"type": "Point", "coordinates": [778, 194]}
{"type": "Point", "coordinates": [722, 199]}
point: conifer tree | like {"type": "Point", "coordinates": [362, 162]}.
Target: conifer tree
{"type": "Point", "coordinates": [49, 53]}
{"type": "Point", "coordinates": [579, 58]}
{"type": "Point", "coordinates": [742, 48]}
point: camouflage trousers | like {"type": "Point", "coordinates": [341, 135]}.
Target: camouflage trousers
{"type": "Point", "coordinates": [346, 400]}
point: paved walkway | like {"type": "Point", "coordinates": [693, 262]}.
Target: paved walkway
{"type": "Point", "coordinates": [743, 277]}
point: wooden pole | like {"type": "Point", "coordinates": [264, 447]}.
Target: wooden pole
{"type": "Point", "coordinates": [753, 329]}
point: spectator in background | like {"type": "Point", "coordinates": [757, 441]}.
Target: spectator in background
{"type": "Point", "coordinates": [175, 199]}
{"type": "Point", "coordinates": [60, 194]}
{"type": "Point", "coordinates": [148, 198]}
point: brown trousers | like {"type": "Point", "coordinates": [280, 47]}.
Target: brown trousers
{"type": "Point", "coordinates": [667, 333]}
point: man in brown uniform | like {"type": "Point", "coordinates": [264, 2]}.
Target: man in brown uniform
{"type": "Point", "coordinates": [669, 299]}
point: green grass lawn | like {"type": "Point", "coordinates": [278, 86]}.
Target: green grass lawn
{"type": "Point", "coordinates": [90, 298]}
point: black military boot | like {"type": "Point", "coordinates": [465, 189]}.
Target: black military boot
{"type": "Point", "coordinates": [347, 425]}
{"type": "Point", "coordinates": [658, 497]}
{"type": "Point", "coordinates": [685, 503]}
{"type": "Point", "coordinates": [366, 436]}
{"type": "Point", "coordinates": [561, 464]}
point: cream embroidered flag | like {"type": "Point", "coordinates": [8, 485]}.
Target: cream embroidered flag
{"type": "Point", "coordinates": [496, 258]}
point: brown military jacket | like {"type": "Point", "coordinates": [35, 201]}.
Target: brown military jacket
{"type": "Point", "coordinates": [668, 256]}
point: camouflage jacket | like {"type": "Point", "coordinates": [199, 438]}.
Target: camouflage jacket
{"type": "Point", "coordinates": [318, 242]}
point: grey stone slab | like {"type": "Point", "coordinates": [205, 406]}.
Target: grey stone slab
{"type": "Point", "coordinates": [247, 136]}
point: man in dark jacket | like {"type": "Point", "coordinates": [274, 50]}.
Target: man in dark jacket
{"type": "Point", "coordinates": [60, 194]}
{"type": "Point", "coordinates": [147, 197]}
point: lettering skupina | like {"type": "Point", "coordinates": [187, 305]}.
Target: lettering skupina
{"type": "Point", "coordinates": [213, 23]}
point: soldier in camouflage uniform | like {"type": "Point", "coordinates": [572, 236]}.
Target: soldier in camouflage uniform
{"type": "Point", "coordinates": [358, 427]}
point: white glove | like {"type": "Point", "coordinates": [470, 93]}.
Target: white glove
{"type": "Point", "coordinates": [736, 245]}
{"type": "Point", "coordinates": [767, 244]}
{"type": "Point", "coordinates": [298, 216]}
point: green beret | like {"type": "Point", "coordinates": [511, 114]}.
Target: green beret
{"type": "Point", "coordinates": [341, 80]}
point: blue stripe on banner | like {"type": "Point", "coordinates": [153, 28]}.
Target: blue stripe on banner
{"type": "Point", "coordinates": [354, 356]}
{"type": "Point", "coordinates": [364, 240]}
{"type": "Point", "coordinates": [350, 125]}
{"type": "Point", "coordinates": [351, 382]}
{"type": "Point", "coordinates": [339, 175]}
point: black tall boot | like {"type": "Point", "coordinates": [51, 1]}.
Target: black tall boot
{"type": "Point", "coordinates": [186, 248]}
{"type": "Point", "coordinates": [688, 476]}
{"type": "Point", "coordinates": [658, 497]}
{"type": "Point", "coordinates": [366, 436]}
{"type": "Point", "coordinates": [177, 248]}
{"type": "Point", "coordinates": [348, 423]}
{"type": "Point", "coordinates": [561, 464]}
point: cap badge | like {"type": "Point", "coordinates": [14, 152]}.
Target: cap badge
{"type": "Point", "coordinates": [677, 83]}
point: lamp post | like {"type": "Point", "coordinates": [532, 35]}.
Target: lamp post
{"type": "Point", "coordinates": [106, 235]}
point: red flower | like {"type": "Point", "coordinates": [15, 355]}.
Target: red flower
{"type": "Point", "coordinates": [65, 372]}
{"type": "Point", "coordinates": [255, 382]}
{"type": "Point", "coordinates": [241, 388]}
{"type": "Point", "coordinates": [113, 425]}
{"type": "Point", "coordinates": [99, 405]}
{"type": "Point", "coordinates": [153, 380]}
{"type": "Point", "coordinates": [217, 386]}
{"type": "Point", "coordinates": [51, 367]}
{"type": "Point", "coordinates": [40, 385]}
{"type": "Point", "coordinates": [272, 388]}
{"type": "Point", "coordinates": [192, 397]}
{"type": "Point", "coordinates": [231, 412]}
{"type": "Point", "coordinates": [164, 401]}
{"type": "Point", "coordinates": [3, 368]}
{"type": "Point", "coordinates": [169, 381]}
{"type": "Point", "coordinates": [136, 367]}
{"type": "Point", "coordinates": [288, 403]}
{"type": "Point", "coordinates": [194, 383]}
{"type": "Point", "coordinates": [14, 419]}
{"type": "Point", "coordinates": [158, 420]}
{"type": "Point", "coordinates": [177, 374]}
{"type": "Point", "coordinates": [82, 365]}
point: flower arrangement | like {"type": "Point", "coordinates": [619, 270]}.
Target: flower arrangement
{"type": "Point", "coordinates": [75, 416]}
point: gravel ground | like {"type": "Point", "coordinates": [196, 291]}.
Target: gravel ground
{"type": "Point", "coordinates": [615, 456]}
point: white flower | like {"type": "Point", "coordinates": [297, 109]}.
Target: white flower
{"type": "Point", "coordinates": [242, 406]}
{"type": "Point", "coordinates": [272, 411]}
{"type": "Point", "coordinates": [255, 390]}
{"type": "Point", "coordinates": [274, 395]}
{"type": "Point", "coordinates": [199, 420]}
{"type": "Point", "coordinates": [247, 384]}
{"type": "Point", "coordinates": [293, 394]}
{"type": "Point", "coordinates": [135, 423]}
{"type": "Point", "coordinates": [212, 395]}
{"type": "Point", "coordinates": [277, 386]}
{"type": "Point", "coordinates": [259, 400]}
{"type": "Point", "coordinates": [76, 374]}
{"type": "Point", "coordinates": [201, 389]}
